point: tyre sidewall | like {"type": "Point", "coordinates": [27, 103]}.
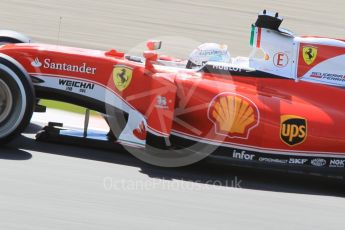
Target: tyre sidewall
{"type": "Point", "coordinates": [16, 78]}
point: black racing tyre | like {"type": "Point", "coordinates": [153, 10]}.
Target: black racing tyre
{"type": "Point", "coordinates": [4, 41]}
{"type": "Point", "coordinates": [10, 37]}
{"type": "Point", "coordinates": [17, 99]}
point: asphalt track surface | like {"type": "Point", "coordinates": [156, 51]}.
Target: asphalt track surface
{"type": "Point", "coordinates": [47, 186]}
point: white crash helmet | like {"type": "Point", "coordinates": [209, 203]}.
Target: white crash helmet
{"type": "Point", "coordinates": [208, 52]}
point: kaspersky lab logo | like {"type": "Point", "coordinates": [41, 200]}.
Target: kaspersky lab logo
{"type": "Point", "coordinates": [293, 129]}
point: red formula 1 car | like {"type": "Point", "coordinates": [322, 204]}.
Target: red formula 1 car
{"type": "Point", "coordinates": [285, 109]}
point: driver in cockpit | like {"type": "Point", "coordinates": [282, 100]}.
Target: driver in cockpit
{"type": "Point", "coordinates": [208, 52]}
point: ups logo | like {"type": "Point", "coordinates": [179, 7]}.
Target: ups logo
{"type": "Point", "coordinates": [293, 129]}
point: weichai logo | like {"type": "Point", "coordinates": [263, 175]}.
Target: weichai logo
{"type": "Point", "coordinates": [293, 129]}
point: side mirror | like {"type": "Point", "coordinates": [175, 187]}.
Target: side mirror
{"type": "Point", "coordinates": [150, 57]}
{"type": "Point", "coordinates": [154, 45]}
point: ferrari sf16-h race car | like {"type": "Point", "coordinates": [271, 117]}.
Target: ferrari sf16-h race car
{"type": "Point", "coordinates": [284, 109]}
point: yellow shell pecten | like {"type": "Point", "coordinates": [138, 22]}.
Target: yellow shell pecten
{"type": "Point", "coordinates": [233, 114]}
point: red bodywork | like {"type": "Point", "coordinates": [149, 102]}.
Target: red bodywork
{"type": "Point", "coordinates": [240, 112]}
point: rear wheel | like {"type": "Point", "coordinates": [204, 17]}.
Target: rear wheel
{"type": "Point", "coordinates": [16, 100]}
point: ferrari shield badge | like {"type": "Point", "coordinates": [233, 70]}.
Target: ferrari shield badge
{"type": "Point", "coordinates": [122, 76]}
{"type": "Point", "coordinates": [293, 129]}
{"type": "Point", "coordinates": [309, 54]}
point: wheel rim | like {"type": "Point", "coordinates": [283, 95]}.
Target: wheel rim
{"type": "Point", "coordinates": [6, 101]}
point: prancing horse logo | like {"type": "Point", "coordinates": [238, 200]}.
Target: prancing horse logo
{"type": "Point", "coordinates": [309, 54]}
{"type": "Point", "coordinates": [122, 76]}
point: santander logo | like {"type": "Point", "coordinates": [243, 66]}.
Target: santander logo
{"type": "Point", "coordinates": [49, 64]}
{"type": "Point", "coordinates": [36, 63]}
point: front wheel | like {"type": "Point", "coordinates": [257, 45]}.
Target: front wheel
{"type": "Point", "coordinates": [17, 100]}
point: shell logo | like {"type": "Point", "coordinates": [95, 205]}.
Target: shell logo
{"type": "Point", "coordinates": [233, 115]}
